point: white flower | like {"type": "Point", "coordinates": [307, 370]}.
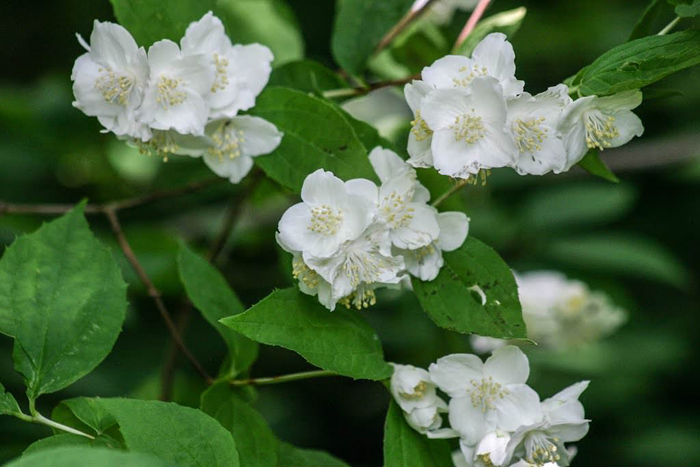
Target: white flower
{"type": "Point", "coordinates": [331, 213]}
{"type": "Point", "coordinates": [230, 144]}
{"type": "Point", "coordinates": [425, 263]}
{"type": "Point", "coordinates": [177, 92]}
{"type": "Point", "coordinates": [563, 422]}
{"type": "Point", "coordinates": [441, 12]}
{"type": "Point", "coordinates": [241, 71]}
{"type": "Point", "coordinates": [468, 128]}
{"type": "Point", "coordinates": [533, 122]}
{"type": "Point", "coordinates": [493, 56]}
{"type": "Point", "coordinates": [487, 396]}
{"type": "Point", "coordinates": [491, 450]}
{"type": "Point", "coordinates": [484, 344]}
{"type": "Point", "coordinates": [402, 202]}
{"type": "Point", "coordinates": [359, 267]}
{"type": "Point", "coordinates": [594, 122]}
{"type": "Point", "coordinates": [109, 80]}
{"type": "Point", "coordinates": [415, 393]}
{"type": "Point", "coordinates": [421, 136]}
{"type": "Point", "coordinates": [310, 282]}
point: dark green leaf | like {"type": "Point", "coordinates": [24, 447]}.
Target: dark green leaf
{"type": "Point", "coordinates": [339, 341]}
{"type": "Point", "coordinates": [507, 22]}
{"type": "Point", "coordinates": [688, 10]}
{"type": "Point", "coordinates": [268, 22]}
{"type": "Point", "coordinates": [176, 434]}
{"type": "Point", "coordinates": [403, 446]}
{"type": "Point", "coordinates": [316, 135]}
{"type": "Point", "coordinates": [8, 403]}
{"type": "Point", "coordinates": [211, 294]}
{"type": "Point", "coordinates": [359, 27]}
{"type": "Point", "coordinates": [306, 76]}
{"type": "Point", "coordinates": [646, 24]}
{"type": "Point", "coordinates": [152, 20]}
{"type": "Point", "coordinates": [291, 456]}
{"type": "Point", "coordinates": [83, 456]}
{"type": "Point", "coordinates": [452, 299]}
{"type": "Point", "coordinates": [593, 164]}
{"type": "Point", "coordinates": [256, 443]}
{"type": "Point", "coordinates": [641, 62]}
{"type": "Point", "coordinates": [63, 299]}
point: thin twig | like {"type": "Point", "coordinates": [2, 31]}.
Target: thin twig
{"type": "Point", "coordinates": [360, 91]}
{"type": "Point", "coordinates": [471, 22]}
{"type": "Point", "coordinates": [458, 186]}
{"type": "Point", "coordinates": [410, 17]}
{"type": "Point", "coordinates": [111, 214]}
{"type": "Point", "coordinates": [669, 27]}
{"type": "Point", "coordinates": [282, 378]}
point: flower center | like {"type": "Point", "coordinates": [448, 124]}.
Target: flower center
{"type": "Point", "coordinates": [540, 449]}
{"type": "Point", "coordinates": [168, 93]}
{"type": "Point", "coordinates": [325, 220]}
{"type": "Point", "coordinates": [308, 276]}
{"type": "Point", "coordinates": [600, 130]}
{"type": "Point", "coordinates": [420, 390]}
{"type": "Point", "coordinates": [161, 143]}
{"type": "Point", "coordinates": [420, 129]}
{"type": "Point", "coordinates": [529, 134]}
{"type": "Point", "coordinates": [227, 141]}
{"type": "Point", "coordinates": [395, 212]}
{"type": "Point", "coordinates": [468, 128]}
{"type": "Point", "coordinates": [363, 297]}
{"type": "Point", "coordinates": [485, 392]}
{"type": "Point", "coordinates": [419, 254]}
{"type": "Point", "coordinates": [115, 88]}
{"type": "Point", "coordinates": [221, 79]}
{"type": "Point", "coordinates": [473, 72]}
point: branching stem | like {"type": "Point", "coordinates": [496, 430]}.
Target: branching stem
{"type": "Point", "coordinates": [282, 378]}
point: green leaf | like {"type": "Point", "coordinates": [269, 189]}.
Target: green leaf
{"type": "Point", "coordinates": [268, 22]}
{"type": "Point", "coordinates": [91, 412]}
{"type": "Point", "coordinates": [211, 294]}
{"type": "Point", "coordinates": [453, 302]}
{"type": "Point", "coordinates": [339, 341]}
{"type": "Point", "coordinates": [291, 456]}
{"type": "Point", "coordinates": [622, 254]}
{"type": "Point", "coordinates": [688, 10]}
{"type": "Point", "coordinates": [63, 300]}
{"type": "Point", "coordinates": [152, 20]}
{"type": "Point", "coordinates": [359, 27]}
{"type": "Point", "coordinates": [83, 456]}
{"type": "Point", "coordinates": [367, 134]}
{"type": "Point", "coordinates": [645, 25]}
{"type": "Point", "coordinates": [307, 76]}
{"type": "Point", "coordinates": [403, 446]}
{"type": "Point", "coordinates": [65, 440]}
{"type": "Point", "coordinates": [507, 22]}
{"type": "Point", "coordinates": [8, 403]}
{"type": "Point", "coordinates": [256, 443]}
{"type": "Point", "coordinates": [179, 435]}
{"type": "Point", "coordinates": [641, 62]}
{"type": "Point", "coordinates": [593, 164]}
{"type": "Point", "coordinates": [316, 135]}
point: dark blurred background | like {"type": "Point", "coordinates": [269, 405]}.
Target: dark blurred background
{"type": "Point", "coordinates": [636, 240]}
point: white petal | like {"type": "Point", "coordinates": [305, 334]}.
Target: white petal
{"type": "Point", "coordinates": [365, 189]}
{"type": "Point", "coordinates": [187, 117]}
{"type": "Point", "coordinates": [195, 71]}
{"type": "Point", "coordinates": [629, 126]}
{"type": "Point", "coordinates": [321, 187]}
{"type": "Point", "coordinates": [626, 100]}
{"type": "Point", "coordinates": [233, 169]}
{"type": "Point", "coordinates": [161, 55]}
{"type": "Point", "coordinates": [496, 54]}
{"type": "Point", "coordinates": [112, 45]}
{"type": "Point", "coordinates": [520, 406]}
{"type": "Point", "coordinates": [508, 365]}
{"type": "Point", "coordinates": [386, 163]}
{"type": "Point", "coordinates": [206, 36]}
{"type": "Point", "coordinates": [440, 108]}
{"type": "Point", "coordinates": [89, 98]}
{"type": "Point", "coordinates": [415, 92]}
{"type": "Point", "coordinates": [259, 136]}
{"type": "Point", "coordinates": [421, 230]}
{"type": "Point", "coordinates": [441, 74]}
{"type": "Point", "coordinates": [452, 373]}
{"type": "Point", "coordinates": [293, 227]}
{"type": "Point", "coordinates": [469, 421]}
{"type": "Point", "coordinates": [419, 151]}
{"type": "Point", "coordinates": [454, 227]}
{"type": "Point", "coordinates": [423, 263]}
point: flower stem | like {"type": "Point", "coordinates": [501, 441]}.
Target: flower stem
{"type": "Point", "coordinates": [669, 26]}
{"type": "Point", "coordinates": [36, 417]}
{"type": "Point", "coordinates": [461, 183]}
{"type": "Point", "coordinates": [282, 378]}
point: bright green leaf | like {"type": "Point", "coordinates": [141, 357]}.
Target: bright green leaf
{"type": "Point", "coordinates": [268, 22]}
{"type": "Point", "coordinates": [83, 456]}
{"type": "Point", "coordinates": [453, 300]}
{"type": "Point", "coordinates": [316, 135]}
{"type": "Point", "coordinates": [91, 412]}
{"type": "Point", "coordinates": [8, 403]}
{"type": "Point", "coordinates": [291, 456]}
{"type": "Point", "coordinates": [152, 20]}
{"type": "Point", "coordinates": [63, 300]}
{"type": "Point", "coordinates": [404, 446]}
{"type": "Point", "coordinates": [688, 10]}
{"type": "Point", "coordinates": [339, 341]}
{"type": "Point", "coordinates": [177, 434]}
{"type": "Point", "coordinates": [359, 27]}
{"type": "Point", "coordinates": [507, 22]}
{"type": "Point", "coordinates": [307, 76]}
{"type": "Point", "coordinates": [641, 62]}
{"type": "Point", "coordinates": [211, 294]}
{"type": "Point", "coordinates": [64, 440]}
{"type": "Point", "coordinates": [255, 441]}
{"type": "Point", "coordinates": [593, 164]}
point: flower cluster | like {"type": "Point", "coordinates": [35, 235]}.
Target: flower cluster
{"type": "Point", "coordinates": [179, 99]}
{"type": "Point", "coordinates": [560, 313]}
{"type": "Point", "coordinates": [350, 238]}
{"type": "Point", "coordinates": [498, 418]}
{"type": "Point", "coordinates": [471, 114]}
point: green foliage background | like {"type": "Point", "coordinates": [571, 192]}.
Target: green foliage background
{"type": "Point", "coordinates": [637, 240]}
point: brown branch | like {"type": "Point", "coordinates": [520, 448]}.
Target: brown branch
{"type": "Point", "coordinates": [361, 91]}
{"type": "Point", "coordinates": [408, 18]}
{"type": "Point", "coordinates": [111, 214]}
